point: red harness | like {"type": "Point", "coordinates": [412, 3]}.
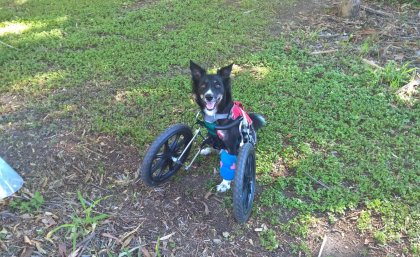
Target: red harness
{"type": "Point", "coordinates": [238, 111]}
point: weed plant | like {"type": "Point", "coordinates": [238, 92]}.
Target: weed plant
{"type": "Point", "coordinates": [82, 225]}
{"type": "Point", "coordinates": [28, 206]}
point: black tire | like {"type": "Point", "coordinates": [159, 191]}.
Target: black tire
{"type": "Point", "coordinates": [244, 183]}
{"type": "Point", "coordinates": [158, 166]}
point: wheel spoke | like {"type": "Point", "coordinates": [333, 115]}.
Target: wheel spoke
{"type": "Point", "coordinates": [159, 155]}
{"type": "Point", "coordinates": [163, 170]}
{"type": "Point", "coordinates": [166, 147]}
{"type": "Point", "coordinates": [174, 144]}
{"type": "Point", "coordinates": [164, 164]}
{"type": "Point", "coordinates": [159, 165]}
{"type": "Point", "coordinates": [179, 147]}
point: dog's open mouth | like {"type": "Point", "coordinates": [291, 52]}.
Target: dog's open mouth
{"type": "Point", "coordinates": [210, 105]}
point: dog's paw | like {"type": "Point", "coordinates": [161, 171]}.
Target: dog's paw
{"type": "Point", "coordinates": [224, 186]}
{"type": "Point", "coordinates": [206, 151]}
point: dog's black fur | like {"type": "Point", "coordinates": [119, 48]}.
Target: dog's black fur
{"type": "Point", "coordinates": [213, 94]}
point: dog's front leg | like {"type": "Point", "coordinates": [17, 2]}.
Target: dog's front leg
{"type": "Point", "coordinates": [228, 157]}
{"type": "Point", "coordinates": [227, 170]}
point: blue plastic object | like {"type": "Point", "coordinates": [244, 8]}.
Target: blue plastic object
{"type": "Point", "coordinates": [10, 181]}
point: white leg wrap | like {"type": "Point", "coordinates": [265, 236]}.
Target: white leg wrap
{"type": "Point", "coordinates": [206, 151]}
{"type": "Point", "coordinates": [224, 186]}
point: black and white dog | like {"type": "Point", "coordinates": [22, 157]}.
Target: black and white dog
{"type": "Point", "coordinates": [213, 95]}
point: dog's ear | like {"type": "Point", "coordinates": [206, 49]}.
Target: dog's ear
{"type": "Point", "coordinates": [225, 71]}
{"type": "Point", "coordinates": [196, 71]}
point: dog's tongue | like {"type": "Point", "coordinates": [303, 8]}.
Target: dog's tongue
{"type": "Point", "coordinates": [210, 105]}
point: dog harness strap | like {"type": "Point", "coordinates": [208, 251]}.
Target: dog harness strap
{"type": "Point", "coordinates": [227, 165]}
{"type": "Point", "coordinates": [238, 111]}
{"type": "Point", "coordinates": [214, 118]}
{"type": "Point", "coordinates": [235, 112]}
{"type": "Point", "coordinates": [210, 126]}
{"type": "Point", "coordinates": [210, 122]}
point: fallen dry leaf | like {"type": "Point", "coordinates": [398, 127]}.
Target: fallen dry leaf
{"type": "Point", "coordinates": [27, 240]}
{"type": "Point", "coordinates": [166, 237]}
{"type": "Point", "coordinates": [26, 216]}
{"type": "Point", "coordinates": [51, 214]}
{"type": "Point", "coordinates": [45, 182]}
{"type": "Point", "coordinates": [145, 252]}
{"type": "Point", "coordinates": [27, 251]}
{"type": "Point", "coordinates": [127, 241]}
{"type": "Point", "coordinates": [48, 222]}
{"type": "Point", "coordinates": [410, 92]}
{"type": "Point", "coordinates": [62, 249]}
{"type": "Point", "coordinates": [112, 237]}
{"type": "Point", "coordinates": [75, 253]}
{"type": "Point", "coordinates": [39, 247]}
{"type": "Point", "coordinates": [3, 247]}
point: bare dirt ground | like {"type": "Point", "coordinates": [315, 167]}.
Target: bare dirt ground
{"type": "Point", "coordinates": [59, 157]}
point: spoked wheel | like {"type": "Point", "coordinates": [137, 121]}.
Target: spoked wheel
{"type": "Point", "coordinates": [159, 162]}
{"type": "Point", "coordinates": [244, 183]}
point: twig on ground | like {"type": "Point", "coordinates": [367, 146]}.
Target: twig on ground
{"type": "Point", "coordinates": [376, 248]}
{"type": "Point", "coordinates": [80, 247]}
{"type": "Point", "coordinates": [351, 215]}
{"type": "Point", "coordinates": [112, 237]}
{"type": "Point", "coordinates": [206, 208]}
{"type": "Point", "coordinates": [371, 63]}
{"type": "Point", "coordinates": [324, 52]}
{"type": "Point", "coordinates": [377, 12]}
{"type": "Point", "coordinates": [98, 187]}
{"type": "Point", "coordinates": [99, 154]}
{"type": "Point", "coordinates": [322, 246]}
{"type": "Point", "coordinates": [76, 168]}
{"type": "Point", "coordinates": [217, 199]}
{"type": "Point", "coordinates": [86, 240]}
{"type": "Point", "coordinates": [410, 37]}
{"type": "Point", "coordinates": [1, 42]}
{"type": "Point", "coordinates": [317, 181]}
{"type": "Point", "coordinates": [233, 253]}
{"type": "Point", "coordinates": [126, 235]}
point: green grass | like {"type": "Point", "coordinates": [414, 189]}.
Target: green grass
{"type": "Point", "coordinates": [67, 44]}
{"type": "Point", "coordinates": [415, 3]}
{"type": "Point", "coordinates": [82, 225]}
{"type": "Point", "coordinates": [345, 138]}
{"type": "Point", "coordinates": [28, 206]}
{"type": "Point", "coordinates": [268, 240]}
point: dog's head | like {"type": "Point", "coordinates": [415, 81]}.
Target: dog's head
{"type": "Point", "coordinates": [212, 92]}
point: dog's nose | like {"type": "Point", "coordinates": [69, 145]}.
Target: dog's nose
{"type": "Point", "coordinates": [209, 97]}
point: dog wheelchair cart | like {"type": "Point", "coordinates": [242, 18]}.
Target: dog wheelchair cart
{"type": "Point", "coordinates": [169, 152]}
